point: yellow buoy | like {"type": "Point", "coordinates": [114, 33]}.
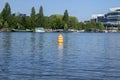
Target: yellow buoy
{"type": "Point", "coordinates": [60, 38]}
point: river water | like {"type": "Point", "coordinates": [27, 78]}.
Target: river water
{"type": "Point", "coordinates": [38, 56]}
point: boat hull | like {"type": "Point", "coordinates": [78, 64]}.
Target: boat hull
{"type": "Point", "coordinates": [39, 29]}
{"type": "Point", "coordinates": [14, 30]}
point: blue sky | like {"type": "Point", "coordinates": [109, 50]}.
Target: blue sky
{"type": "Point", "coordinates": [82, 9]}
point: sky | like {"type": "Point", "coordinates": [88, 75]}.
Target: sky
{"type": "Point", "coordinates": [82, 9]}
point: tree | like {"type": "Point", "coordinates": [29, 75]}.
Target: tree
{"type": "Point", "coordinates": [6, 24]}
{"type": "Point", "coordinates": [100, 26]}
{"type": "Point", "coordinates": [1, 21]}
{"type": "Point", "coordinates": [56, 22]}
{"type": "Point", "coordinates": [23, 22]}
{"type": "Point", "coordinates": [0, 16]}
{"type": "Point", "coordinates": [33, 18]}
{"type": "Point", "coordinates": [14, 22]}
{"type": "Point", "coordinates": [89, 25]}
{"type": "Point", "coordinates": [80, 26]}
{"type": "Point", "coordinates": [73, 22]}
{"type": "Point", "coordinates": [40, 20]}
{"type": "Point", "coordinates": [66, 17]}
{"type": "Point", "coordinates": [118, 26]}
{"type": "Point", "coordinates": [46, 18]}
{"type": "Point", "coordinates": [6, 14]}
{"type": "Point", "coordinates": [65, 27]}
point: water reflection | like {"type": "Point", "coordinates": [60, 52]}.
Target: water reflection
{"type": "Point", "coordinates": [7, 42]}
{"type": "Point", "coordinates": [33, 42]}
{"type": "Point", "coordinates": [5, 55]}
{"type": "Point", "coordinates": [34, 56]}
{"type": "Point", "coordinates": [60, 51]}
{"type": "Point", "coordinates": [37, 47]}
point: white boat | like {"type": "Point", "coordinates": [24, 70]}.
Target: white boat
{"type": "Point", "coordinates": [39, 29]}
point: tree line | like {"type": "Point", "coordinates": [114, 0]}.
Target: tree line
{"type": "Point", "coordinates": [55, 21]}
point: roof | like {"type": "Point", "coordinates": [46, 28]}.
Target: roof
{"type": "Point", "coordinates": [114, 9]}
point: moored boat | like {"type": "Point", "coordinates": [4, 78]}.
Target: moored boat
{"type": "Point", "coordinates": [39, 29]}
{"type": "Point", "coordinates": [17, 30]}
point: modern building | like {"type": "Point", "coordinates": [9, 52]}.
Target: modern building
{"type": "Point", "coordinates": [110, 19]}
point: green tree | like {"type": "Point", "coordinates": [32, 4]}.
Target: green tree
{"type": "Point", "coordinates": [118, 26]}
{"type": "Point", "coordinates": [23, 23]}
{"type": "Point", "coordinates": [6, 24]}
{"type": "Point", "coordinates": [88, 26]}
{"type": "Point", "coordinates": [73, 22]}
{"type": "Point", "coordinates": [1, 24]}
{"type": "Point", "coordinates": [93, 25]}
{"type": "Point", "coordinates": [100, 26]}
{"type": "Point", "coordinates": [46, 25]}
{"type": "Point", "coordinates": [0, 16]}
{"type": "Point", "coordinates": [66, 17]}
{"type": "Point", "coordinates": [33, 18]}
{"type": "Point", "coordinates": [80, 26]}
{"type": "Point", "coordinates": [1, 21]}
{"type": "Point", "coordinates": [28, 23]}
{"type": "Point", "coordinates": [40, 20]}
{"type": "Point", "coordinates": [65, 27]}
{"type": "Point", "coordinates": [6, 14]}
{"type": "Point", "coordinates": [14, 22]}
{"type": "Point", "coordinates": [56, 22]}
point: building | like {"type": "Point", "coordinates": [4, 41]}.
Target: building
{"type": "Point", "coordinates": [19, 14]}
{"type": "Point", "coordinates": [99, 18]}
{"type": "Point", "coordinates": [110, 20]}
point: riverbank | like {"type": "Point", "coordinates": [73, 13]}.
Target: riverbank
{"type": "Point", "coordinates": [61, 30]}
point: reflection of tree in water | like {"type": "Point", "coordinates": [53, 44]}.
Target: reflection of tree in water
{"type": "Point", "coordinates": [41, 41]}
{"type": "Point", "coordinates": [40, 54]}
{"type": "Point", "coordinates": [33, 47]}
{"type": "Point", "coordinates": [37, 45]}
{"type": "Point", "coordinates": [40, 45]}
{"type": "Point", "coordinates": [66, 39]}
{"type": "Point", "coordinates": [7, 42]}
{"type": "Point", "coordinates": [6, 55]}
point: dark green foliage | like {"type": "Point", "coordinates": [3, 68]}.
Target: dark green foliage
{"type": "Point", "coordinates": [119, 27]}
{"type": "Point", "coordinates": [80, 26]}
{"type": "Point", "coordinates": [66, 17]}
{"type": "Point", "coordinates": [93, 25]}
{"type": "Point", "coordinates": [100, 26]}
{"type": "Point", "coordinates": [6, 15]}
{"type": "Point", "coordinates": [0, 16]}
{"type": "Point", "coordinates": [25, 23]}
{"type": "Point", "coordinates": [55, 21]}
{"type": "Point", "coordinates": [1, 21]}
{"type": "Point", "coordinates": [33, 18]}
{"type": "Point", "coordinates": [73, 22]}
{"type": "Point", "coordinates": [46, 25]}
{"type": "Point", "coordinates": [40, 18]}
{"type": "Point", "coordinates": [14, 22]}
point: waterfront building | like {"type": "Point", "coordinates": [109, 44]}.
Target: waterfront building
{"type": "Point", "coordinates": [110, 20]}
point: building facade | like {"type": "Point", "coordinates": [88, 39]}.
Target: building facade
{"type": "Point", "coordinates": [110, 19]}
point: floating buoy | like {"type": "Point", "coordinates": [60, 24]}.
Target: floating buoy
{"type": "Point", "coordinates": [60, 38]}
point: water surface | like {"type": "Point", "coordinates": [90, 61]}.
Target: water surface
{"type": "Point", "coordinates": [38, 56]}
